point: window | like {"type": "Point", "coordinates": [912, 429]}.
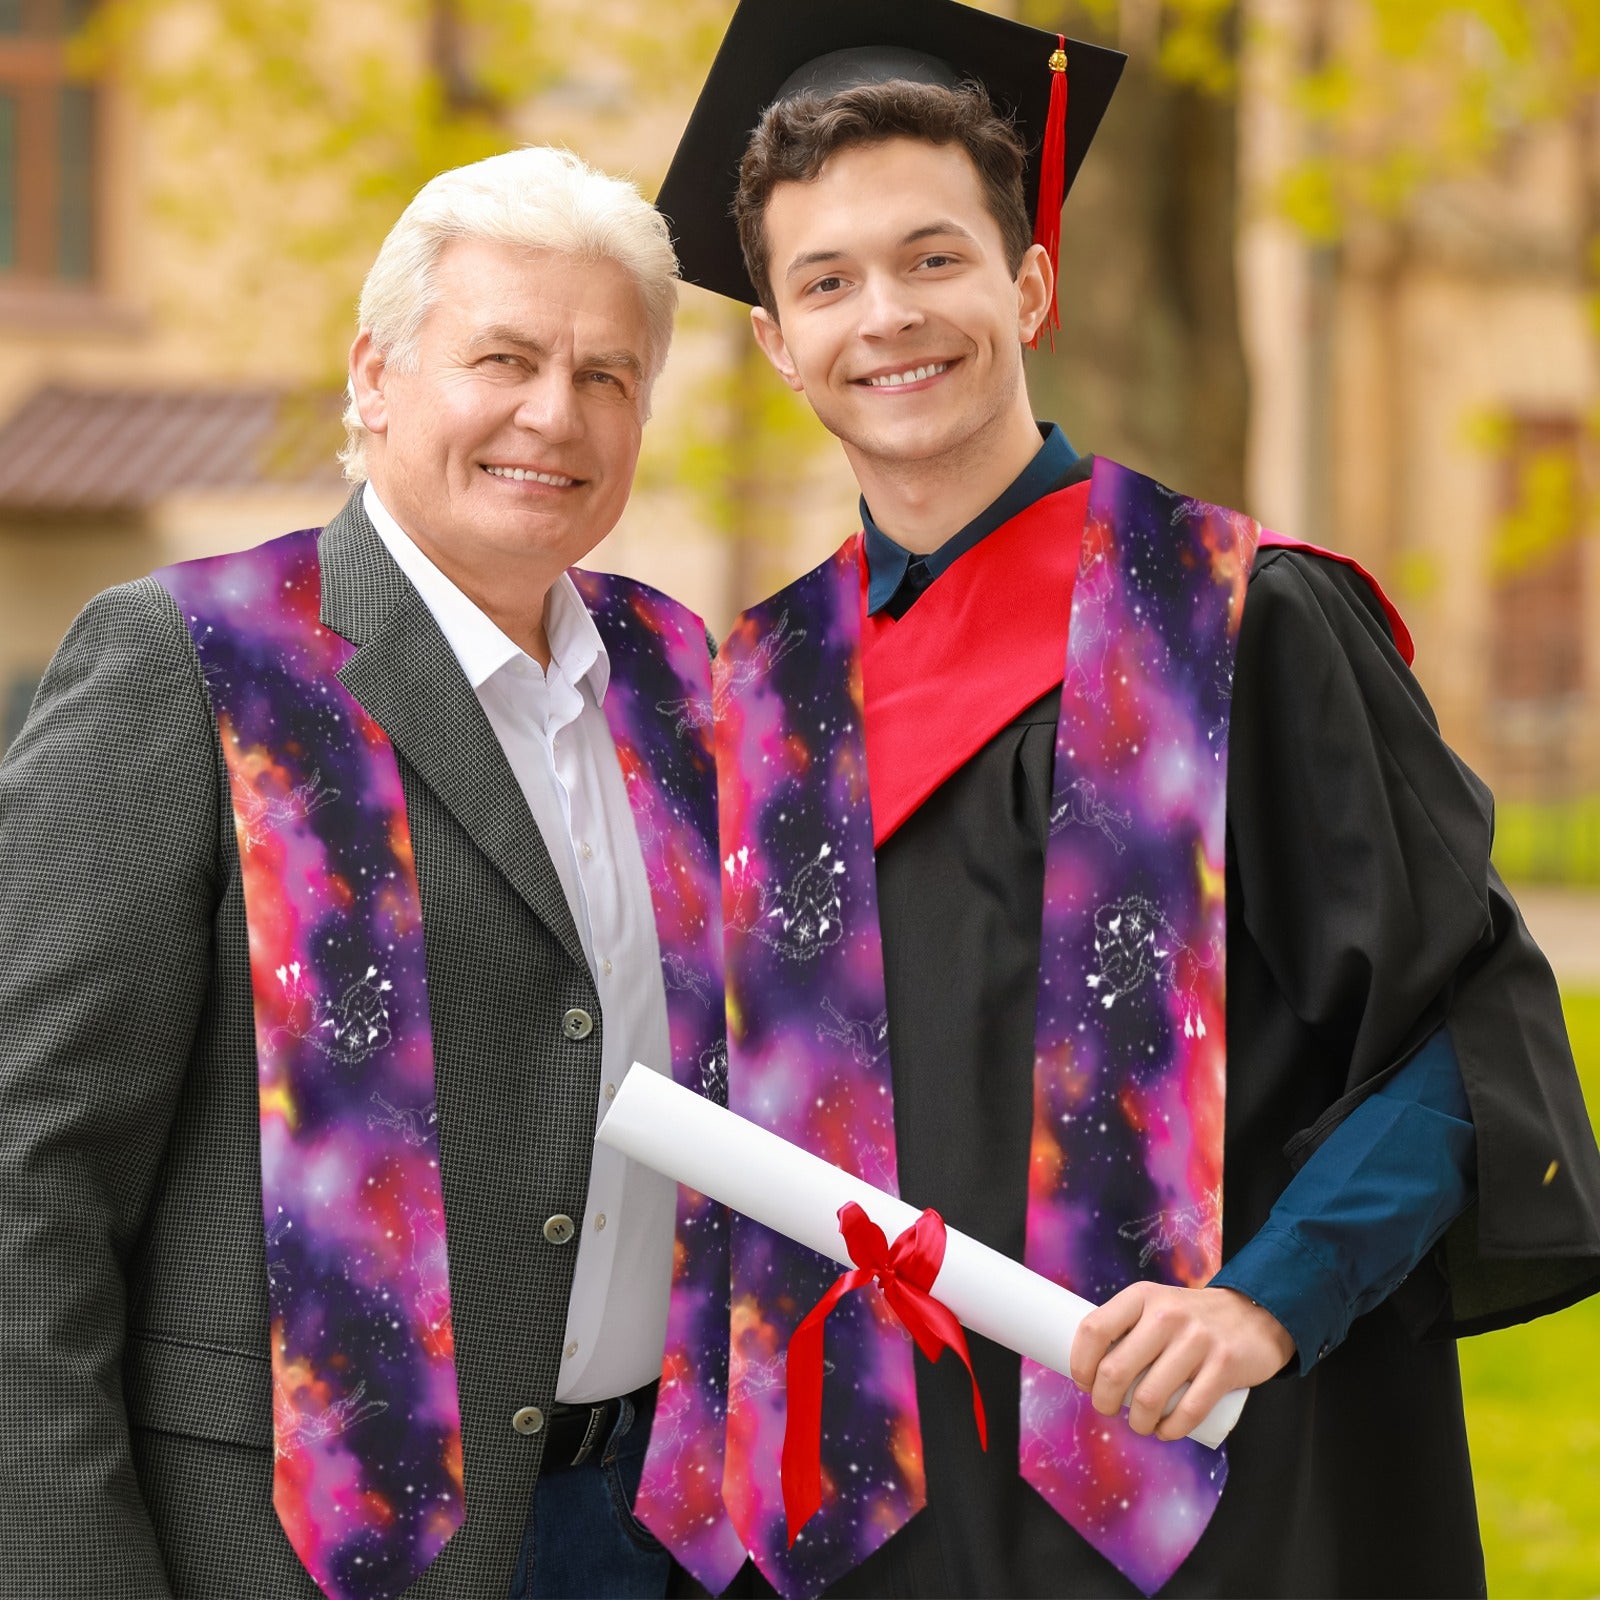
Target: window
{"type": "Point", "coordinates": [47, 147]}
{"type": "Point", "coordinates": [1537, 565]}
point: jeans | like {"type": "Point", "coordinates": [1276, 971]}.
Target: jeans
{"type": "Point", "coordinates": [583, 1541]}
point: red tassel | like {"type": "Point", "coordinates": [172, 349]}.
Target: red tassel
{"type": "Point", "coordinates": [1052, 183]}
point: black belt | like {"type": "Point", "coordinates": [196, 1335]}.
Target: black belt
{"type": "Point", "coordinates": [574, 1433]}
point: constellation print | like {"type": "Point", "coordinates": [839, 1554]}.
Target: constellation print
{"type": "Point", "coordinates": [263, 815]}
{"type": "Point", "coordinates": [1079, 805]}
{"type": "Point", "coordinates": [1050, 1441]}
{"type": "Point", "coordinates": [808, 910]}
{"type": "Point", "coordinates": [432, 1268]}
{"type": "Point", "coordinates": [647, 828]}
{"type": "Point", "coordinates": [294, 1426]}
{"type": "Point", "coordinates": [867, 1040]}
{"type": "Point", "coordinates": [414, 1124]}
{"type": "Point", "coordinates": [1217, 733]}
{"type": "Point", "coordinates": [1135, 944]}
{"type": "Point", "coordinates": [748, 1377]}
{"type": "Point", "coordinates": [678, 974]}
{"type": "Point", "coordinates": [354, 1027]}
{"type": "Point", "coordinates": [1090, 635]}
{"type": "Point", "coordinates": [714, 1073]}
{"type": "Point", "coordinates": [1160, 1233]}
{"type": "Point", "coordinates": [730, 680]}
{"type": "Point", "coordinates": [277, 1268]}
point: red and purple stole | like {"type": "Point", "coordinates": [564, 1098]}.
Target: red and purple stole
{"type": "Point", "coordinates": [368, 1470]}
{"type": "Point", "coordinates": [1130, 1045]}
{"type": "Point", "coordinates": [1130, 1053]}
{"type": "Point", "coordinates": [658, 708]}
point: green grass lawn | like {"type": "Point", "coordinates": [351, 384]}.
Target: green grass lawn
{"type": "Point", "coordinates": [1533, 1414]}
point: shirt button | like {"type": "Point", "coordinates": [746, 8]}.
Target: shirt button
{"type": "Point", "coordinates": [588, 850]}
{"type": "Point", "coordinates": [577, 1023]}
{"type": "Point", "coordinates": [600, 1223]}
{"type": "Point", "coordinates": [530, 1419]}
{"type": "Point", "coordinates": [605, 967]}
{"type": "Point", "coordinates": [611, 1091]}
{"type": "Point", "coordinates": [559, 1229]}
{"type": "Point", "coordinates": [571, 1350]}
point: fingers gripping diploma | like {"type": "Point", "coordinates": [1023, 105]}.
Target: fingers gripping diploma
{"type": "Point", "coordinates": [1143, 1345]}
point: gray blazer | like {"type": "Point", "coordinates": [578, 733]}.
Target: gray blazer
{"type": "Point", "coordinates": [135, 1394]}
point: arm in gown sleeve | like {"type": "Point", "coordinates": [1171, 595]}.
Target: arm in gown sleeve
{"type": "Point", "coordinates": [1361, 846]}
{"type": "Point", "coordinates": [1369, 1204]}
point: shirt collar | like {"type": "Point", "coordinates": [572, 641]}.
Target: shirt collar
{"type": "Point", "coordinates": [888, 561]}
{"type": "Point", "coordinates": [476, 640]}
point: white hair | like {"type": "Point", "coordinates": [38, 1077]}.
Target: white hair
{"type": "Point", "coordinates": [537, 197]}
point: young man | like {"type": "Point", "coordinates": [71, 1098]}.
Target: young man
{"type": "Point", "coordinates": [1005, 786]}
{"type": "Point", "coordinates": [342, 878]}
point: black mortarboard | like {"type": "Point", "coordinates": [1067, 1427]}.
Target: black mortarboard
{"type": "Point", "coordinates": [777, 48]}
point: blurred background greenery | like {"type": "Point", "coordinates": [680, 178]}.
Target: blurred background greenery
{"type": "Point", "coordinates": [1534, 1424]}
{"type": "Point", "coordinates": [1334, 261]}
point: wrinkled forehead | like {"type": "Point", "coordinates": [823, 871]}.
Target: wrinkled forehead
{"type": "Point", "coordinates": [486, 289]}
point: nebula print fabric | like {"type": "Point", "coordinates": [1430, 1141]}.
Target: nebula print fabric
{"type": "Point", "coordinates": [1130, 1052]}
{"type": "Point", "coordinates": [808, 1058]}
{"type": "Point", "coordinates": [658, 708]}
{"type": "Point", "coordinates": [367, 1479]}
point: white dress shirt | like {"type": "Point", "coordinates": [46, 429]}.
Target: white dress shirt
{"type": "Point", "coordinates": [555, 737]}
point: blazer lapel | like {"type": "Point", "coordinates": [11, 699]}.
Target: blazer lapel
{"type": "Point", "coordinates": [408, 679]}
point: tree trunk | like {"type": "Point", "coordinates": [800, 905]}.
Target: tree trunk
{"type": "Point", "coordinates": [1148, 366]}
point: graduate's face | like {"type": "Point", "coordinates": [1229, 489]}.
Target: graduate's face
{"type": "Point", "coordinates": [530, 362]}
{"type": "Point", "coordinates": [897, 315]}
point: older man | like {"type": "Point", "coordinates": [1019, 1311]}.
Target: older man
{"type": "Point", "coordinates": [339, 881]}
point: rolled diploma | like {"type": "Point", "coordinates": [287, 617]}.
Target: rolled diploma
{"type": "Point", "coordinates": [684, 1136]}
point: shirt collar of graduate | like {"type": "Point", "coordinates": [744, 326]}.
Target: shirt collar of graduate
{"type": "Point", "coordinates": [889, 563]}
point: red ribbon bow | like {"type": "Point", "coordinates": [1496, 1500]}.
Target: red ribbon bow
{"type": "Point", "coordinates": [905, 1272]}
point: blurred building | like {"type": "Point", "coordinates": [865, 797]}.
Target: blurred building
{"type": "Point", "coordinates": [162, 398]}
{"type": "Point", "coordinates": [121, 446]}
{"type": "Point", "coordinates": [1426, 396]}
{"type": "Point", "coordinates": [1422, 394]}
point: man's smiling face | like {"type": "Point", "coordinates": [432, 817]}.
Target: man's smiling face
{"type": "Point", "coordinates": [898, 315]}
{"type": "Point", "coordinates": [515, 433]}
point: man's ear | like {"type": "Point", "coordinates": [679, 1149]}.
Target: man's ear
{"type": "Point", "coordinates": [367, 372]}
{"type": "Point", "coordinates": [774, 347]}
{"type": "Point", "coordinates": [1036, 282]}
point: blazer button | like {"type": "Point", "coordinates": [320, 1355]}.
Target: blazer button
{"type": "Point", "coordinates": [530, 1419]}
{"type": "Point", "coordinates": [577, 1023]}
{"type": "Point", "coordinates": [559, 1229]}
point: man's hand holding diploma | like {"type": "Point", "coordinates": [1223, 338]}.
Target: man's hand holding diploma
{"type": "Point", "coordinates": [1215, 1340]}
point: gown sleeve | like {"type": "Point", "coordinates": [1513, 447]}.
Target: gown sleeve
{"type": "Point", "coordinates": [1366, 1208]}
{"type": "Point", "coordinates": [1360, 847]}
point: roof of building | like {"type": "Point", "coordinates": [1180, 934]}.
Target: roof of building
{"type": "Point", "coordinates": [71, 450]}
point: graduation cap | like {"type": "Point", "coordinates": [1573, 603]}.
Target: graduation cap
{"type": "Point", "coordinates": [775, 49]}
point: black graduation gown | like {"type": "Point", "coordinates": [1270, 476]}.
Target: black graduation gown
{"type": "Point", "coordinates": [1362, 912]}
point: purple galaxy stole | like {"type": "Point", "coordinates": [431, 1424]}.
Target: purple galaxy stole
{"type": "Point", "coordinates": [658, 708]}
{"type": "Point", "coordinates": [1125, 1180]}
{"type": "Point", "coordinates": [367, 1479]}
{"type": "Point", "coordinates": [808, 1058]}
{"type": "Point", "coordinates": [368, 1475]}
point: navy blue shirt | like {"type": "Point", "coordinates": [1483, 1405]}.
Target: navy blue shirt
{"type": "Point", "coordinates": [895, 577]}
{"type": "Point", "coordinates": [1381, 1190]}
